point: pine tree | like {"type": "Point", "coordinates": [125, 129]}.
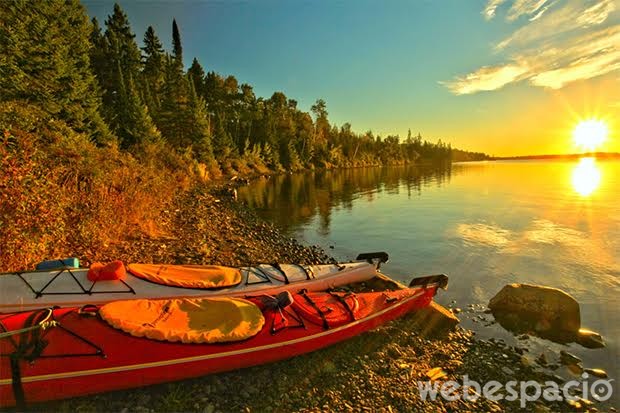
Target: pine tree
{"type": "Point", "coordinates": [122, 43]}
{"type": "Point", "coordinates": [45, 60]}
{"type": "Point", "coordinates": [98, 52]}
{"type": "Point", "coordinates": [153, 59]}
{"type": "Point", "coordinates": [135, 124]}
{"type": "Point", "coordinates": [177, 50]}
{"type": "Point", "coordinates": [223, 146]}
{"type": "Point", "coordinates": [199, 126]}
{"type": "Point", "coordinates": [197, 75]}
{"type": "Point", "coordinates": [121, 52]}
{"type": "Point", "coordinates": [172, 119]}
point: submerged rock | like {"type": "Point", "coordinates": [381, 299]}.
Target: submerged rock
{"type": "Point", "coordinates": [545, 308]}
{"type": "Point", "coordinates": [567, 358]}
{"type": "Point", "coordinates": [596, 373]}
{"type": "Point", "coordinates": [589, 339]}
{"type": "Point", "coordinates": [544, 311]}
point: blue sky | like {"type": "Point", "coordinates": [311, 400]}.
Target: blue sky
{"type": "Point", "coordinates": [506, 77]}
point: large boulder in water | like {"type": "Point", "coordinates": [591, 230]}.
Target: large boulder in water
{"type": "Point", "coordinates": [547, 312]}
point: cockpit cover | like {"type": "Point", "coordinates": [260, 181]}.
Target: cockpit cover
{"type": "Point", "coordinates": [188, 276]}
{"type": "Point", "coordinates": [188, 320]}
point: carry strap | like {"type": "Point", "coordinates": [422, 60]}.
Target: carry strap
{"type": "Point", "coordinates": [316, 307]}
{"type": "Point", "coordinates": [343, 301]}
{"type": "Point", "coordinates": [16, 381]}
{"type": "Point", "coordinates": [279, 268]}
{"type": "Point", "coordinates": [29, 348]}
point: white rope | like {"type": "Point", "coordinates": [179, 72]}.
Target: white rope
{"type": "Point", "coordinates": [43, 325]}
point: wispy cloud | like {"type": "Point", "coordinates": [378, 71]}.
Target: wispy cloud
{"type": "Point", "coordinates": [491, 8]}
{"type": "Point", "coordinates": [560, 43]}
{"type": "Point", "coordinates": [597, 13]}
{"type": "Point", "coordinates": [486, 78]}
{"type": "Point", "coordinates": [525, 7]}
{"type": "Point", "coordinates": [591, 55]}
{"type": "Point", "coordinates": [539, 231]}
{"type": "Point", "coordinates": [574, 19]}
{"type": "Point", "coordinates": [540, 13]}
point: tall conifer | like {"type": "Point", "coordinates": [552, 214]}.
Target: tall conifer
{"type": "Point", "coordinates": [177, 50]}
{"type": "Point", "coordinates": [197, 75]}
{"type": "Point", "coordinates": [121, 57]}
{"type": "Point", "coordinates": [153, 58]}
{"type": "Point", "coordinates": [45, 60]}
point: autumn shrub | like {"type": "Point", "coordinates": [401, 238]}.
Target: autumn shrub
{"type": "Point", "coordinates": [60, 194]}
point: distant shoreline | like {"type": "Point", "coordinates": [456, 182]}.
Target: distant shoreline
{"type": "Point", "coordinates": [598, 155]}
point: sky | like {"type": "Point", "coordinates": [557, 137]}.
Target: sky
{"type": "Point", "coordinates": [504, 77]}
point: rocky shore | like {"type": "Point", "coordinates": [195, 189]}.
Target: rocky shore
{"type": "Point", "coordinates": [376, 372]}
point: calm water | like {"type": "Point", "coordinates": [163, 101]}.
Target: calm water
{"type": "Point", "coordinates": [555, 223]}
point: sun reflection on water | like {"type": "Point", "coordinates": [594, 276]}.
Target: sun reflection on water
{"type": "Point", "coordinates": [586, 177]}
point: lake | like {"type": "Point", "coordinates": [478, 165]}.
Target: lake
{"type": "Point", "coordinates": [485, 224]}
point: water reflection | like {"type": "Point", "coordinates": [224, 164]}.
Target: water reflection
{"type": "Point", "coordinates": [293, 200]}
{"type": "Point", "coordinates": [485, 224]}
{"type": "Point", "coordinates": [586, 176]}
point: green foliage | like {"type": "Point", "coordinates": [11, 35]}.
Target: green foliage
{"type": "Point", "coordinates": [196, 75]}
{"type": "Point", "coordinates": [177, 49]}
{"type": "Point", "coordinates": [172, 118]}
{"type": "Point", "coordinates": [153, 59]}
{"type": "Point", "coordinates": [198, 124]}
{"type": "Point", "coordinates": [45, 60]}
{"type": "Point", "coordinates": [135, 123]}
{"type": "Point", "coordinates": [119, 61]}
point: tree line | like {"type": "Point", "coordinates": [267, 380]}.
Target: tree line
{"type": "Point", "coordinates": [102, 83]}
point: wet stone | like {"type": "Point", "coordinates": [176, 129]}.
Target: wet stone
{"type": "Point", "coordinates": [596, 373]}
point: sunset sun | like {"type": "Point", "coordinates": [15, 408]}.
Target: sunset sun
{"type": "Point", "coordinates": [590, 134]}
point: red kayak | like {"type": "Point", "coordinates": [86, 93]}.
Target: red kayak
{"type": "Point", "coordinates": [66, 352]}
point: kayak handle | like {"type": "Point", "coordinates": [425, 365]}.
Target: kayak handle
{"type": "Point", "coordinates": [370, 257]}
{"type": "Point", "coordinates": [441, 280]}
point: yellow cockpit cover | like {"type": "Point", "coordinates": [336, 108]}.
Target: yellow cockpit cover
{"type": "Point", "coordinates": [188, 276]}
{"type": "Point", "coordinates": [189, 320]}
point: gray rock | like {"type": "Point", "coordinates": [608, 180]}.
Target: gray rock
{"type": "Point", "coordinates": [542, 359]}
{"type": "Point", "coordinates": [507, 371]}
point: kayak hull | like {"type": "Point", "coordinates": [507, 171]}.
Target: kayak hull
{"type": "Point", "coordinates": [126, 361]}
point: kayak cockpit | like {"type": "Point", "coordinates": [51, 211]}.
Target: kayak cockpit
{"type": "Point", "coordinates": [188, 276]}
